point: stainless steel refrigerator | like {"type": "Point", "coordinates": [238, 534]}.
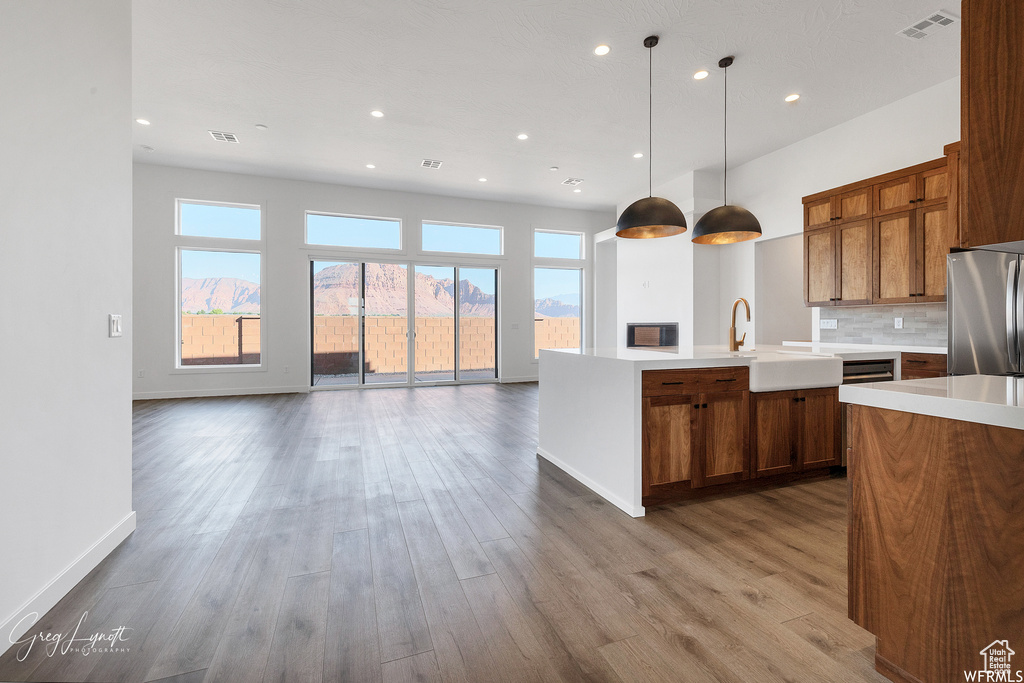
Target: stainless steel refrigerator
{"type": "Point", "coordinates": [985, 298]}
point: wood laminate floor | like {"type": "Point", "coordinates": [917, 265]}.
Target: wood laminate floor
{"type": "Point", "coordinates": [414, 535]}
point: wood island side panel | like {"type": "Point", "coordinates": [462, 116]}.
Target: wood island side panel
{"type": "Point", "coordinates": [936, 540]}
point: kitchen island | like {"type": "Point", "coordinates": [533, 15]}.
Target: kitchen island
{"type": "Point", "coordinates": [936, 530]}
{"type": "Point", "coordinates": [592, 408]}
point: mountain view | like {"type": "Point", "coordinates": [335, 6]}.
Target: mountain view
{"type": "Point", "coordinates": [335, 292]}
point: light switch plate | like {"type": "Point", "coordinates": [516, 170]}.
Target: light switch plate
{"type": "Point", "coordinates": [828, 324]}
{"type": "Point", "coordinates": [898, 323]}
{"type": "Point", "coordinates": [114, 322]}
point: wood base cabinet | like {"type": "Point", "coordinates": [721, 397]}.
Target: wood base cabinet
{"type": "Point", "coordinates": [922, 365]}
{"type": "Point", "coordinates": [936, 536]}
{"type": "Point", "coordinates": [792, 431]}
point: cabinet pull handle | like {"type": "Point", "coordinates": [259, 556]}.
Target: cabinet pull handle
{"type": "Point", "coordinates": [795, 399]}
{"type": "Point", "coordinates": [665, 384]}
{"type": "Point", "coordinates": [733, 379]}
{"type": "Point", "coordinates": [696, 406]}
{"type": "Point", "coordinates": [703, 405]}
{"type": "Point", "coordinates": [803, 398]}
{"type": "Point", "coordinates": [911, 360]}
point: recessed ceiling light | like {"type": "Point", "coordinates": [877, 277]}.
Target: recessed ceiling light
{"type": "Point", "coordinates": [700, 75]}
{"type": "Point", "coordinates": [577, 190]}
{"type": "Point", "coordinates": [261, 126]}
{"type": "Point", "coordinates": [792, 98]}
{"type": "Point", "coordinates": [370, 166]}
{"type": "Point", "coordinates": [638, 155]}
{"type": "Point", "coordinates": [553, 168]}
{"type": "Point", "coordinates": [602, 50]}
{"type": "Point", "coordinates": [522, 136]}
{"type": "Point", "coordinates": [482, 180]}
{"type": "Point", "coordinates": [376, 113]}
{"type": "Point", "coordinates": [143, 122]}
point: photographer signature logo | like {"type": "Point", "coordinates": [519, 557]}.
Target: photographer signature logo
{"type": "Point", "coordinates": [70, 642]}
{"type": "Point", "coordinates": [996, 665]}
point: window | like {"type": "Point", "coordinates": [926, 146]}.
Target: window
{"type": "Point", "coordinates": [229, 221]}
{"type": "Point", "coordinates": [557, 296]}
{"type": "Point", "coordinates": [462, 239]}
{"type": "Point", "coordinates": [219, 300]}
{"type": "Point", "coordinates": [356, 232]}
{"type": "Point", "coordinates": [552, 244]}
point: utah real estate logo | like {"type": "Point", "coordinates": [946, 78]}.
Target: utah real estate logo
{"type": "Point", "coordinates": [996, 667]}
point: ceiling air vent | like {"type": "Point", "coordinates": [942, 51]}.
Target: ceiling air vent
{"type": "Point", "coordinates": [431, 163]}
{"type": "Point", "coordinates": [928, 25]}
{"type": "Point", "coordinates": [223, 137]}
{"type": "Point", "coordinates": [572, 181]}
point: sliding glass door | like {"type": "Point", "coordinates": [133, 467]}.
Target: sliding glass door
{"type": "Point", "coordinates": [359, 323]}
{"type": "Point", "coordinates": [362, 314]}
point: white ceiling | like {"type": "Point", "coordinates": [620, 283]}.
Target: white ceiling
{"type": "Point", "coordinates": [459, 79]}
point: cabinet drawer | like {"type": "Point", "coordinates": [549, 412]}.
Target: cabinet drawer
{"type": "Point", "coordinates": [921, 365]}
{"type": "Point", "coordinates": [695, 381]}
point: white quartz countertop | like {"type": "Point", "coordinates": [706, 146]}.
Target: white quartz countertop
{"type": "Point", "coordinates": [984, 399]}
{"type": "Point", "coordinates": [862, 351]}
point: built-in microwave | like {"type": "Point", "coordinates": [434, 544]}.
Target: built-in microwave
{"type": "Point", "coordinates": [651, 335]}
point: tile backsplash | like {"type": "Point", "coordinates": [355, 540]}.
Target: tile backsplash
{"type": "Point", "coordinates": [923, 324]}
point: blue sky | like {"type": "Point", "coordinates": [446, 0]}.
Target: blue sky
{"type": "Point", "coordinates": [359, 233]}
{"type": "Point", "coordinates": [556, 283]}
{"type": "Point", "coordinates": [204, 264]}
{"type": "Point", "coordinates": [556, 245]}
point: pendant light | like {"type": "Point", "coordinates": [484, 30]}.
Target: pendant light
{"type": "Point", "coordinates": [726, 224]}
{"type": "Point", "coordinates": [650, 216]}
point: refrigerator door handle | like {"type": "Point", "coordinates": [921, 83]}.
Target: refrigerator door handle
{"type": "Point", "coordinates": [1018, 355]}
{"type": "Point", "coordinates": [1011, 315]}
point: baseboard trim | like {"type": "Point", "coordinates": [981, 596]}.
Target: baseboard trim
{"type": "Point", "coordinates": [622, 504]}
{"type": "Point", "coordinates": [203, 393]}
{"type": "Point", "coordinates": [511, 380]}
{"type": "Point", "coordinates": [19, 623]}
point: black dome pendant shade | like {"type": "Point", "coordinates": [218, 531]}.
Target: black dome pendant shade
{"type": "Point", "coordinates": [651, 216]}
{"type": "Point", "coordinates": [726, 224]}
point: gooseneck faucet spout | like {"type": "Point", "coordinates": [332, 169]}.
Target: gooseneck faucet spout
{"type": "Point", "coordinates": [735, 344]}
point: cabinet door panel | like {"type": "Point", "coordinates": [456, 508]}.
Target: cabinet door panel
{"type": "Point", "coordinates": [819, 428]}
{"type": "Point", "coordinates": [818, 213]}
{"type": "Point", "coordinates": [724, 455]}
{"type": "Point", "coordinates": [935, 234]}
{"type": "Point", "coordinates": [895, 195]}
{"type": "Point", "coordinates": [668, 430]}
{"type": "Point", "coordinates": [894, 258]}
{"type": "Point", "coordinates": [933, 187]}
{"type": "Point", "coordinates": [774, 446]}
{"type": "Point", "coordinates": [854, 205]}
{"type": "Point", "coordinates": [854, 243]}
{"type": "Point", "coordinates": [819, 267]}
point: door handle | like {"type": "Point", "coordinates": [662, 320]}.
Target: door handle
{"type": "Point", "coordinates": [1011, 313]}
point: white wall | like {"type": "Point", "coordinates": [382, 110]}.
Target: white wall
{"type": "Point", "coordinates": [778, 269]}
{"type": "Point", "coordinates": [65, 264]}
{"type": "Point", "coordinates": [285, 288]}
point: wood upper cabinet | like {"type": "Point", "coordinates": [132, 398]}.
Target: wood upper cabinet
{"type": "Point", "coordinates": [887, 239]}
{"type": "Point", "coordinates": [794, 430]}
{"type": "Point", "coordinates": [695, 427]}
{"type": "Point", "coordinates": [992, 123]}
{"type": "Point", "coordinates": [837, 264]}
{"type": "Point", "coordinates": [910, 255]}
{"type": "Point", "coordinates": [923, 188]}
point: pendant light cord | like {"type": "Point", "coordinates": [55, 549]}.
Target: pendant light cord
{"type": "Point", "coordinates": [725, 140]}
{"type": "Point", "coordinates": [650, 122]}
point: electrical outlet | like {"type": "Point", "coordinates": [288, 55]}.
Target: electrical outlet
{"type": "Point", "coordinates": [515, 326]}
{"type": "Point", "coordinates": [286, 369]}
{"type": "Point", "coordinates": [141, 373]}
{"type": "Point", "coordinates": [898, 323]}
{"type": "Point", "coordinates": [828, 324]}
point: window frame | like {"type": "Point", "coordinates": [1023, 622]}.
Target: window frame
{"type": "Point", "coordinates": [465, 254]}
{"type": "Point", "coordinates": [393, 252]}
